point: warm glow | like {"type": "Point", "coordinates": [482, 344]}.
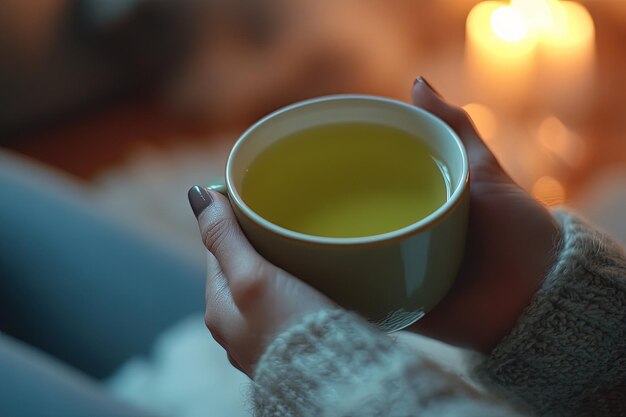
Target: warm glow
{"type": "Point", "coordinates": [573, 26]}
{"type": "Point", "coordinates": [498, 30]}
{"type": "Point", "coordinates": [548, 191]}
{"type": "Point", "coordinates": [513, 46]}
{"type": "Point", "coordinates": [508, 24]}
{"type": "Point", "coordinates": [538, 14]}
{"type": "Point", "coordinates": [499, 70]}
{"type": "Point", "coordinates": [484, 119]}
{"type": "Point", "coordinates": [549, 21]}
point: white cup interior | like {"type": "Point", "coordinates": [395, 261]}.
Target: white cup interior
{"type": "Point", "coordinates": [440, 138]}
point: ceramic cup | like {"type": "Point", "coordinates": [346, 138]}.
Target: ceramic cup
{"type": "Point", "coordinates": [392, 279]}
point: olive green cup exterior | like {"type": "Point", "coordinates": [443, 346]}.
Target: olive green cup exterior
{"type": "Point", "coordinates": [391, 279]}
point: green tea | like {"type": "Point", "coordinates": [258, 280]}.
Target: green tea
{"type": "Point", "coordinates": [345, 180]}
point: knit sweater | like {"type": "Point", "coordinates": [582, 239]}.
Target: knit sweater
{"type": "Point", "coordinates": [566, 355]}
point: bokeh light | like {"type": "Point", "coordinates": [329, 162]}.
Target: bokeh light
{"type": "Point", "coordinates": [548, 191]}
{"type": "Point", "coordinates": [484, 119]}
{"type": "Point", "coordinates": [561, 141]}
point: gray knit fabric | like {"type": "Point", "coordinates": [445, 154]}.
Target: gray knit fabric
{"type": "Point", "coordinates": [335, 364]}
{"type": "Point", "coordinates": [566, 355]}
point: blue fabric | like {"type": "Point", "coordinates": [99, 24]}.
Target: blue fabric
{"type": "Point", "coordinates": [78, 284]}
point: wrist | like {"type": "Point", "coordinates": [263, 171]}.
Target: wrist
{"type": "Point", "coordinates": [525, 282]}
{"type": "Point", "coordinates": [500, 275]}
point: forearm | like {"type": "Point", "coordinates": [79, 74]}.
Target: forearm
{"type": "Point", "coordinates": [567, 353]}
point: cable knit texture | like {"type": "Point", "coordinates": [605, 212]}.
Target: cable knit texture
{"type": "Point", "coordinates": [566, 355]}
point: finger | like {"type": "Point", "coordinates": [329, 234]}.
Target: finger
{"type": "Point", "coordinates": [429, 99]}
{"type": "Point", "coordinates": [235, 364]}
{"type": "Point", "coordinates": [222, 235]}
{"type": "Point", "coordinates": [247, 273]}
{"type": "Point", "coordinates": [222, 317]}
{"type": "Point", "coordinates": [218, 298]}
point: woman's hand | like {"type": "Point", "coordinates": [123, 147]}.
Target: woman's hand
{"type": "Point", "coordinates": [511, 245]}
{"type": "Point", "coordinates": [249, 301]}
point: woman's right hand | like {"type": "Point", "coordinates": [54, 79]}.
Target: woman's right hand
{"type": "Point", "coordinates": [512, 244]}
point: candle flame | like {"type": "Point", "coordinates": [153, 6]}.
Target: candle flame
{"type": "Point", "coordinates": [540, 15]}
{"type": "Point", "coordinates": [508, 24]}
{"type": "Point", "coordinates": [540, 20]}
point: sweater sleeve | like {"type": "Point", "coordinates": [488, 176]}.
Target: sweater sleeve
{"type": "Point", "coordinates": [335, 364]}
{"type": "Point", "coordinates": [566, 355]}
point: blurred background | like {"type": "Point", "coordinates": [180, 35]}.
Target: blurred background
{"type": "Point", "coordinates": [139, 99]}
{"type": "Point", "coordinates": [134, 101]}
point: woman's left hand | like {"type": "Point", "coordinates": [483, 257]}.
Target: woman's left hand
{"type": "Point", "coordinates": [249, 301]}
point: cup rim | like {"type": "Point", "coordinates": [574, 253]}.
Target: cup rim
{"type": "Point", "coordinates": [459, 188]}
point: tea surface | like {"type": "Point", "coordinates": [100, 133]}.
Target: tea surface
{"type": "Point", "coordinates": [345, 180]}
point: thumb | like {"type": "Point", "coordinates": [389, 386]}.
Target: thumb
{"type": "Point", "coordinates": [259, 289]}
{"type": "Point", "coordinates": [429, 99]}
{"type": "Point", "coordinates": [223, 237]}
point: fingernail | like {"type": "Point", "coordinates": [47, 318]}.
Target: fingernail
{"type": "Point", "coordinates": [199, 198]}
{"type": "Point", "coordinates": [423, 81]}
